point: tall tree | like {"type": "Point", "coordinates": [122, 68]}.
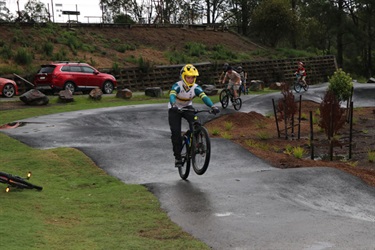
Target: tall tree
{"type": "Point", "coordinates": [273, 21]}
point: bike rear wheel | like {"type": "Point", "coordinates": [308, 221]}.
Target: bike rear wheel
{"type": "Point", "coordinates": [184, 171]}
{"type": "Point", "coordinates": [306, 87]}
{"type": "Point", "coordinates": [224, 99]}
{"type": "Point", "coordinates": [237, 103]}
{"type": "Point", "coordinates": [18, 182]}
{"type": "Point", "coordinates": [201, 151]}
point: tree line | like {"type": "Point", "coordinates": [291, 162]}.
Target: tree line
{"type": "Point", "coordinates": [344, 28]}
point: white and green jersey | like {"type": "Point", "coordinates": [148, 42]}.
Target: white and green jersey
{"type": "Point", "coordinates": [183, 96]}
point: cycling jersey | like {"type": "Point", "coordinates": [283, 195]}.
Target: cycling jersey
{"type": "Point", "coordinates": [182, 96]}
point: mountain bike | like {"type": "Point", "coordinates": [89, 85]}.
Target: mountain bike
{"type": "Point", "coordinates": [17, 182]}
{"type": "Point", "coordinates": [196, 147]}
{"type": "Point", "coordinates": [299, 84]}
{"type": "Point", "coordinates": [226, 95]}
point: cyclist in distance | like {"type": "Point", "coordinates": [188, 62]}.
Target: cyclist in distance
{"type": "Point", "coordinates": [301, 72]}
{"type": "Point", "coordinates": [234, 80]}
{"type": "Point", "coordinates": [181, 96]}
{"type": "Point", "coordinates": [243, 75]}
{"type": "Point", "coordinates": [225, 66]}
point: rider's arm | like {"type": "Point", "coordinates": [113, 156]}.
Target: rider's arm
{"type": "Point", "coordinates": [238, 79]}
{"type": "Point", "coordinates": [173, 93]}
{"type": "Point", "coordinates": [225, 78]}
{"type": "Point", "coordinates": [199, 92]}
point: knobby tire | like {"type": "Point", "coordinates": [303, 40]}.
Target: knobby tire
{"type": "Point", "coordinates": [184, 171]}
{"type": "Point", "coordinates": [237, 104]}
{"type": "Point", "coordinates": [201, 151]}
{"type": "Point", "coordinates": [224, 98]}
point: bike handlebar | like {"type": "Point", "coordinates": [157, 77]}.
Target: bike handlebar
{"type": "Point", "coordinates": [196, 111]}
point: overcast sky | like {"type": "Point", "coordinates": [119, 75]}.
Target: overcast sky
{"type": "Point", "coordinates": [87, 8]}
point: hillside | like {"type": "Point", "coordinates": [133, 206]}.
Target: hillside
{"type": "Point", "coordinates": [124, 46]}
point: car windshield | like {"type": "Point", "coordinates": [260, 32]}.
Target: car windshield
{"type": "Point", "coordinates": [47, 69]}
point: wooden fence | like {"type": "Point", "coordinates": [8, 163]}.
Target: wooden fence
{"type": "Point", "coordinates": [270, 71]}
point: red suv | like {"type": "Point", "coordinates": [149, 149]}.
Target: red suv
{"type": "Point", "coordinates": [73, 76]}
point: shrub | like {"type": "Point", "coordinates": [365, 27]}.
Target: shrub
{"type": "Point", "coordinates": [331, 112]}
{"type": "Point", "coordinates": [228, 125]}
{"type": "Point", "coordinates": [286, 106]}
{"type": "Point", "coordinates": [47, 48]}
{"type": "Point", "coordinates": [6, 52]}
{"type": "Point", "coordinates": [341, 85]}
{"type": "Point", "coordinates": [371, 156]}
{"type": "Point", "coordinates": [298, 152]}
{"type": "Point", "coordinates": [23, 57]}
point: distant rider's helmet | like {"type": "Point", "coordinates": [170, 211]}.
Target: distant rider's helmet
{"type": "Point", "coordinates": [239, 69]}
{"type": "Point", "coordinates": [189, 70]}
{"type": "Point", "coordinates": [225, 66]}
{"type": "Point", "coordinates": [300, 63]}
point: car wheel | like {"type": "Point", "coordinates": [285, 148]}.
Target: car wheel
{"type": "Point", "coordinates": [9, 90]}
{"type": "Point", "coordinates": [70, 86]}
{"type": "Point", "coordinates": [107, 87]}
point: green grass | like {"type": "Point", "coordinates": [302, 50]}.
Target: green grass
{"type": "Point", "coordinates": [82, 102]}
{"type": "Point", "coordinates": [80, 207]}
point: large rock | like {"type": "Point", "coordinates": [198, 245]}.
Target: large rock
{"type": "Point", "coordinates": [210, 89]}
{"type": "Point", "coordinates": [34, 97]}
{"type": "Point", "coordinates": [66, 96]}
{"type": "Point", "coordinates": [154, 92]}
{"type": "Point", "coordinates": [256, 85]}
{"type": "Point", "coordinates": [124, 94]}
{"type": "Point", "coordinates": [96, 94]}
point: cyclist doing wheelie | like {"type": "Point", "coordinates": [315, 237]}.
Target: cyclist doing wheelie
{"type": "Point", "coordinates": [181, 96]}
{"type": "Point", "coordinates": [234, 82]}
{"type": "Point", "coordinates": [301, 73]}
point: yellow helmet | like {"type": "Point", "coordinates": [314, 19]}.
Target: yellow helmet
{"type": "Point", "coordinates": [189, 70]}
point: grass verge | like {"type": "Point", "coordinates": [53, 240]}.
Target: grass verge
{"type": "Point", "coordinates": [80, 207]}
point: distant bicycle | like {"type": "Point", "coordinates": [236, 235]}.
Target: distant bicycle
{"type": "Point", "coordinates": [196, 147]}
{"type": "Point", "coordinates": [226, 95]}
{"type": "Point", "coordinates": [299, 84]}
{"type": "Point", "coordinates": [17, 182]}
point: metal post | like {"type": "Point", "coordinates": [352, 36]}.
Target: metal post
{"type": "Point", "coordinates": [351, 130]}
{"type": "Point", "coordinates": [311, 136]}
{"type": "Point", "coordinates": [277, 122]}
{"type": "Point", "coordinates": [299, 117]}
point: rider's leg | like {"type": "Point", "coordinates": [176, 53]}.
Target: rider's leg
{"type": "Point", "coordinates": [235, 89]}
{"type": "Point", "coordinates": [304, 80]}
{"type": "Point", "coordinates": [174, 118]}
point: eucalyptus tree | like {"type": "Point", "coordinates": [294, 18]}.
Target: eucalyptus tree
{"type": "Point", "coordinates": [362, 15]}
{"type": "Point", "coordinates": [215, 10]}
{"type": "Point", "coordinates": [273, 21]}
{"type": "Point", "coordinates": [34, 12]}
{"type": "Point", "coordinates": [5, 15]}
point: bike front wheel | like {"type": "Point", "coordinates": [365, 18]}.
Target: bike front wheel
{"type": "Point", "coordinates": [224, 99]}
{"type": "Point", "coordinates": [184, 171]}
{"type": "Point", "coordinates": [297, 87]}
{"type": "Point", "coordinates": [237, 103]}
{"type": "Point", "coordinates": [201, 151]}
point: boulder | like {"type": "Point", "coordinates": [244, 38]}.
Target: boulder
{"type": "Point", "coordinates": [34, 97]}
{"type": "Point", "coordinates": [65, 96]}
{"type": "Point", "coordinates": [371, 80]}
{"type": "Point", "coordinates": [96, 94]}
{"type": "Point", "coordinates": [124, 94]}
{"type": "Point", "coordinates": [154, 92]}
{"type": "Point", "coordinates": [277, 85]}
{"type": "Point", "coordinates": [210, 89]}
{"type": "Point", "coordinates": [256, 85]}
